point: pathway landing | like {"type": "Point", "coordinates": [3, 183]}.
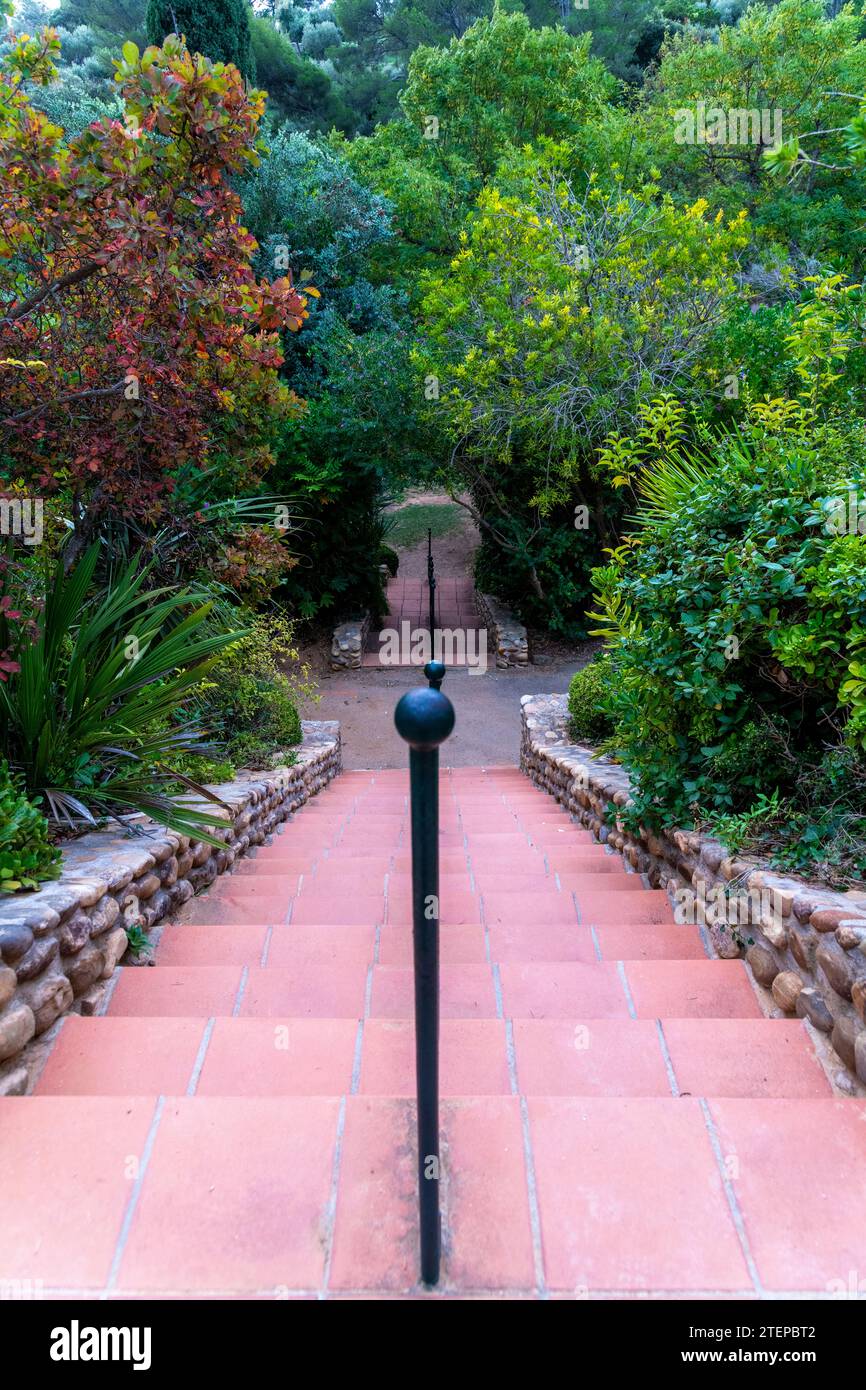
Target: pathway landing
{"type": "Point", "coordinates": [618, 1118]}
{"type": "Point", "coordinates": [409, 612]}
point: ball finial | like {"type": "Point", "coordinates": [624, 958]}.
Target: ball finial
{"type": "Point", "coordinates": [424, 718]}
{"type": "Point", "coordinates": [435, 673]}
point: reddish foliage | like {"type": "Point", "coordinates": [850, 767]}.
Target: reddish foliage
{"type": "Point", "coordinates": [134, 337]}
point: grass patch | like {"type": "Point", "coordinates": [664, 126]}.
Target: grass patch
{"type": "Point", "coordinates": [408, 527]}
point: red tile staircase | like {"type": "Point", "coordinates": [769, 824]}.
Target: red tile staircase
{"type": "Point", "coordinates": [618, 1118]}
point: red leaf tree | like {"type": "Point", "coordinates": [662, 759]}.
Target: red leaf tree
{"type": "Point", "coordinates": [135, 340]}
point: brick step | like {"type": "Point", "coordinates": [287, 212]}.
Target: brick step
{"type": "Point", "coordinates": [221, 944]}
{"type": "Point", "coordinates": [337, 1056]}
{"type": "Point", "coordinates": [633, 1194]}
{"type": "Point", "coordinates": [333, 983]}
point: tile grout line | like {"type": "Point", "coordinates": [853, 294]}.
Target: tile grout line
{"type": "Point", "coordinates": [532, 1195]}
{"type": "Point", "coordinates": [197, 1065]}
{"type": "Point", "coordinates": [668, 1060]}
{"type": "Point", "coordinates": [331, 1210]}
{"type": "Point", "coordinates": [731, 1196]}
{"type": "Point", "coordinates": [236, 1007]}
{"type": "Point", "coordinates": [132, 1204]}
{"type": "Point", "coordinates": [266, 946]}
{"type": "Point", "coordinates": [355, 1083]}
{"type": "Point", "coordinates": [511, 1057]}
{"type": "Point", "coordinates": [623, 979]}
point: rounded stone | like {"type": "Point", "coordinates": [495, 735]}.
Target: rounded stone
{"type": "Point", "coordinates": [803, 944]}
{"type": "Point", "coordinates": [112, 947]}
{"type": "Point", "coordinates": [17, 1027]}
{"type": "Point", "coordinates": [849, 937]}
{"type": "Point", "coordinates": [776, 933]}
{"type": "Point", "coordinates": [84, 969]}
{"type": "Point", "coordinates": [858, 997]}
{"type": "Point", "coordinates": [74, 932]}
{"type": "Point", "coordinates": [827, 919]}
{"type": "Point", "coordinates": [40, 955]}
{"type": "Point", "coordinates": [15, 941]}
{"type": "Point", "coordinates": [104, 915]}
{"type": "Point", "coordinates": [811, 1005]}
{"type": "Point", "coordinates": [844, 1038]}
{"type": "Point", "coordinates": [860, 1056]}
{"type": "Point", "coordinates": [836, 966]}
{"type": "Point", "coordinates": [424, 718]}
{"type": "Point", "coordinates": [763, 965]}
{"type": "Point", "coordinates": [49, 998]}
{"type": "Point", "coordinates": [147, 885]}
{"type": "Point", "coordinates": [786, 988]}
{"type": "Point", "coordinates": [7, 985]}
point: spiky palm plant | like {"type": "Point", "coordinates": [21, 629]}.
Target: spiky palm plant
{"type": "Point", "coordinates": [95, 714]}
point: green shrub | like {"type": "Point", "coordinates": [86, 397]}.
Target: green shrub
{"type": "Point", "coordinates": [26, 854]}
{"type": "Point", "coordinates": [204, 769]}
{"type": "Point", "coordinates": [249, 707]}
{"type": "Point", "coordinates": [586, 700]}
{"type": "Point", "coordinates": [738, 616]}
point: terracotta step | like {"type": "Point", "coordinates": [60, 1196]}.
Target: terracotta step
{"type": "Point", "coordinates": [321, 1056]}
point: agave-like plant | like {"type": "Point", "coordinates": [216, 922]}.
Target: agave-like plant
{"type": "Point", "coordinates": [91, 718]}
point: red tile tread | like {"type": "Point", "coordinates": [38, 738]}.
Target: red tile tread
{"type": "Point", "coordinates": [616, 1110]}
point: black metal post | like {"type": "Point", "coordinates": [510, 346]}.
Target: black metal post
{"type": "Point", "coordinates": [424, 718]}
{"type": "Point", "coordinates": [431, 584]}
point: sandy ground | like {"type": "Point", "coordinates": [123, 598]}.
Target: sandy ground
{"type": "Point", "coordinates": [487, 707]}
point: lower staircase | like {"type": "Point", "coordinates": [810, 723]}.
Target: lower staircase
{"type": "Point", "coordinates": [618, 1116]}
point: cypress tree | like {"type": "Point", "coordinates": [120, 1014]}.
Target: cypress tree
{"type": "Point", "coordinates": [220, 29]}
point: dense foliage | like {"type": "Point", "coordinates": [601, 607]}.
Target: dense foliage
{"type": "Point", "coordinates": [736, 615]}
{"type": "Point", "coordinates": [136, 338]}
{"type": "Point", "coordinates": [27, 856]}
{"type": "Point", "coordinates": [220, 29]}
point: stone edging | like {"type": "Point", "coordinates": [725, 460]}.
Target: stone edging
{"type": "Point", "coordinates": [806, 945]}
{"type": "Point", "coordinates": [59, 946]}
{"type": "Point", "coordinates": [509, 636]}
{"type": "Point", "coordinates": [347, 644]}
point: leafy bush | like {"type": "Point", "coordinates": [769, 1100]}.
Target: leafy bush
{"type": "Point", "coordinates": [586, 699]}
{"type": "Point", "coordinates": [26, 853]}
{"type": "Point", "coordinates": [250, 705]}
{"type": "Point", "coordinates": [738, 616]}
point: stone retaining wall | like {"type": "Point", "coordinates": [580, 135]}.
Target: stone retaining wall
{"type": "Point", "coordinates": [510, 641]}
{"type": "Point", "coordinates": [805, 945]}
{"type": "Point", "coordinates": [347, 644]}
{"type": "Point", "coordinates": [59, 946]}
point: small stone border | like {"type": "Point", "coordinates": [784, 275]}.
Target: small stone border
{"type": "Point", "coordinates": [804, 945]}
{"type": "Point", "coordinates": [348, 643]}
{"type": "Point", "coordinates": [510, 639]}
{"type": "Point", "coordinates": [60, 946]}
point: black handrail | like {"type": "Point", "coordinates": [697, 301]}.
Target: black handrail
{"type": "Point", "coordinates": [431, 584]}
{"type": "Point", "coordinates": [424, 718]}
